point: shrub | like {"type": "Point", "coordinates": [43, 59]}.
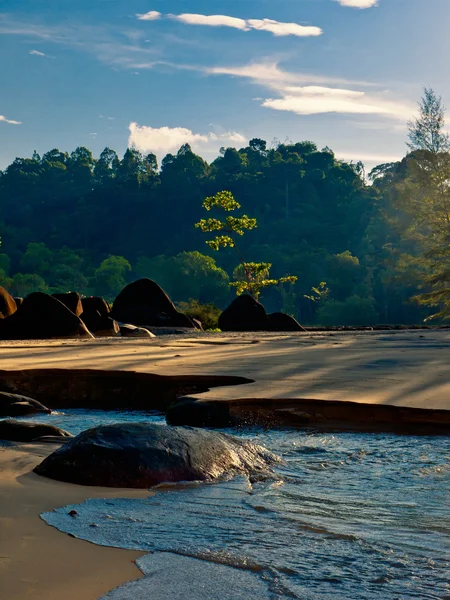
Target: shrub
{"type": "Point", "coordinates": [207, 314]}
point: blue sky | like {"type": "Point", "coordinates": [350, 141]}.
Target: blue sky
{"type": "Point", "coordinates": [343, 73]}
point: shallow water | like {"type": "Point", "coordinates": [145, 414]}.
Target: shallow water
{"type": "Point", "coordinates": [347, 516]}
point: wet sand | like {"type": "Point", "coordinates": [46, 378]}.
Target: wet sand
{"type": "Point", "coordinates": [37, 562]}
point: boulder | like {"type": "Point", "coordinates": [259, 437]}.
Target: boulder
{"type": "Point", "coordinates": [96, 316]}
{"type": "Point", "coordinates": [15, 405]}
{"type": "Point", "coordinates": [244, 314]}
{"type": "Point", "coordinates": [42, 317]}
{"type": "Point", "coordinates": [145, 303]}
{"type": "Point", "coordinates": [281, 322]}
{"type": "Point", "coordinates": [136, 332]}
{"type": "Point", "coordinates": [72, 300]}
{"type": "Point", "coordinates": [142, 455]}
{"type": "Point", "coordinates": [8, 305]}
{"type": "Point", "coordinates": [26, 431]}
{"type": "Point", "coordinates": [188, 411]}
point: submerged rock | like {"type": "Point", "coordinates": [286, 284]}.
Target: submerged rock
{"type": "Point", "coordinates": [26, 431]}
{"type": "Point", "coordinates": [15, 405]}
{"type": "Point", "coordinates": [188, 411]}
{"type": "Point", "coordinates": [142, 455]}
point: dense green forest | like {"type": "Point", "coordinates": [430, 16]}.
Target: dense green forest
{"type": "Point", "coordinates": [71, 222]}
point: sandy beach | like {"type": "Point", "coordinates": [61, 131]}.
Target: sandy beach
{"type": "Point", "coordinates": [37, 561]}
{"type": "Point", "coordinates": [404, 368]}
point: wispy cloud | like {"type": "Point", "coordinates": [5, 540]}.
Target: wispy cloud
{"type": "Point", "coordinates": [277, 28]}
{"type": "Point", "coordinates": [37, 53]}
{"type": "Point", "coordinates": [268, 73]}
{"type": "Point", "coordinates": [110, 46]}
{"type": "Point", "coordinates": [161, 140]}
{"type": "Point", "coordinates": [358, 3]}
{"type": "Point", "coordinates": [10, 121]}
{"type": "Point", "coordinates": [296, 97]}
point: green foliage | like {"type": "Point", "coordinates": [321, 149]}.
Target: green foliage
{"type": "Point", "coordinates": [426, 132]}
{"type": "Point", "coordinates": [110, 277]}
{"type": "Point", "coordinates": [424, 195]}
{"type": "Point", "coordinates": [64, 213]}
{"type": "Point", "coordinates": [187, 275]}
{"type": "Point", "coordinates": [319, 293]}
{"type": "Point", "coordinates": [207, 314]}
{"type": "Point", "coordinates": [250, 277]}
{"type": "Point", "coordinates": [23, 284]}
{"type": "Point", "coordinates": [230, 226]}
{"type": "Point", "coordinates": [352, 311]}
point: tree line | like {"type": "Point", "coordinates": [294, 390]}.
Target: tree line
{"type": "Point", "coordinates": [363, 249]}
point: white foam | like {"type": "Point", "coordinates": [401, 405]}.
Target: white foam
{"type": "Point", "coordinates": [173, 577]}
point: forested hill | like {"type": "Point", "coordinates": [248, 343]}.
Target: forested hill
{"type": "Point", "coordinates": [70, 222]}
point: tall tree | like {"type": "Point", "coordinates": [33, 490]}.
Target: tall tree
{"type": "Point", "coordinates": [426, 196]}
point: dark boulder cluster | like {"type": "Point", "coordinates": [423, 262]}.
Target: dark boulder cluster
{"type": "Point", "coordinates": [41, 316]}
{"type": "Point", "coordinates": [247, 314]}
{"type": "Point", "coordinates": [138, 309]}
{"type": "Point", "coordinates": [140, 305]}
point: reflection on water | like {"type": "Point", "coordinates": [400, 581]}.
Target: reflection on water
{"type": "Point", "coordinates": [348, 516]}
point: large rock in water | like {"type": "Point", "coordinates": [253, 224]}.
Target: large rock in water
{"type": "Point", "coordinates": [8, 305]}
{"type": "Point", "coordinates": [42, 317]}
{"type": "Point", "coordinates": [15, 405]}
{"type": "Point", "coordinates": [96, 316]}
{"type": "Point", "coordinates": [145, 303]}
{"type": "Point", "coordinates": [244, 314]}
{"type": "Point", "coordinates": [25, 431]}
{"type": "Point", "coordinates": [143, 455]}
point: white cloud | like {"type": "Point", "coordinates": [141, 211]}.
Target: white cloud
{"type": "Point", "coordinates": [37, 53]}
{"type": "Point", "coordinates": [284, 29]}
{"type": "Point", "coordinates": [275, 27]}
{"type": "Point", "coordinates": [358, 3]}
{"type": "Point", "coordinates": [161, 140]}
{"type": "Point", "coordinates": [212, 21]}
{"type": "Point", "coordinates": [10, 121]}
{"type": "Point", "coordinates": [314, 100]}
{"type": "Point", "coordinates": [153, 15]}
